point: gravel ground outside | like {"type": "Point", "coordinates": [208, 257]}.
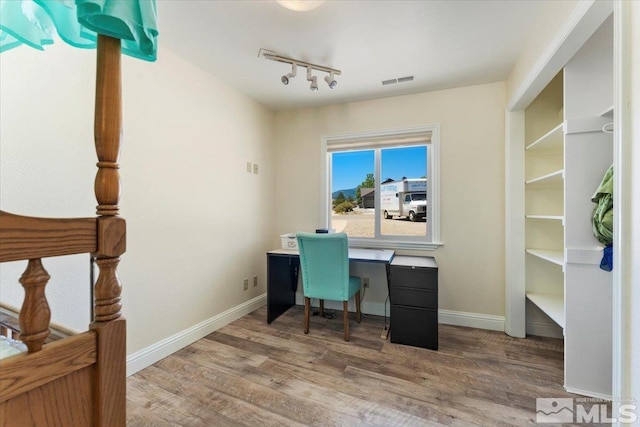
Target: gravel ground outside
{"type": "Point", "coordinates": [360, 223]}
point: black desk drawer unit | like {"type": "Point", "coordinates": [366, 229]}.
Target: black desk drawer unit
{"type": "Point", "coordinates": [413, 293]}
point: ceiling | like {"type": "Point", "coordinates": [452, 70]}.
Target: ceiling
{"type": "Point", "coordinates": [443, 44]}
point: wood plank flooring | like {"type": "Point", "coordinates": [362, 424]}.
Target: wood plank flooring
{"type": "Point", "coordinates": [249, 373]}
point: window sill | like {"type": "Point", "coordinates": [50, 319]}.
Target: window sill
{"type": "Point", "coordinates": [393, 244]}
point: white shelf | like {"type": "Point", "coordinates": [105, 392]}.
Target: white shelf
{"type": "Point", "coordinates": [586, 124]}
{"type": "Point", "coordinates": [551, 217]}
{"type": "Point", "coordinates": [551, 304]}
{"type": "Point", "coordinates": [553, 256]}
{"type": "Point", "coordinates": [550, 179]}
{"type": "Point", "coordinates": [608, 112]}
{"type": "Point", "coordinates": [550, 141]}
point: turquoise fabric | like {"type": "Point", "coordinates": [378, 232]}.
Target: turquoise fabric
{"type": "Point", "coordinates": [35, 23]}
{"type": "Point", "coordinates": [324, 261]}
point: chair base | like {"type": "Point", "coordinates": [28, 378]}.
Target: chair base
{"type": "Point", "coordinates": [345, 315]}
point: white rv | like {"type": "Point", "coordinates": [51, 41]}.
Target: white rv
{"type": "Point", "coordinates": [404, 198]}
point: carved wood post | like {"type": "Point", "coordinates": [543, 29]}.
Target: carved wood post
{"type": "Point", "coordinates": [108, 126]}
{"type": "Point", "coordinates": [107, 290]}
{"type": "Point", "coordinates": [107, 133]}
{"type": "Point", "coordinates": [110, 327]}
{"type": "Point", "coordinates": [34, 314]}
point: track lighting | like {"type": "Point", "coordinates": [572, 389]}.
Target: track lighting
{"type": "Point", "coordinates": [300, 5]}
{"type": "Point", "coordinates": [313, 80]}
{"type": "Point", "coordinates": [331, 81]}
{"type": "Point", "coordinates": [330, 78]}
{"type": "Point", "coordinates": [292, 74]}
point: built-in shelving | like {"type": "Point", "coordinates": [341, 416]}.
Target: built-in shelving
{"type": "Point", "coordinates": [551, 255]}
{"type": "Point", "coordinates": [551, 304]}
{"type": "Point", "coordinates": [550, 179]}
{"type": "Point", "coordinates": [546, 217]}
{"type": "Point", "coordinates": [551, 141]}
{"type": "Point", "coordinates": [566, 149]}
{"type": "Point", "coordinates": [608, 112]}
{"type": "Point", "coordinates": [544, 177]}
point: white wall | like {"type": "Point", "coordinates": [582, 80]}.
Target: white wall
{"type": "Point", "coordinates": [198, 223]}
{"type": "Point", "coordinates": [472, 182]}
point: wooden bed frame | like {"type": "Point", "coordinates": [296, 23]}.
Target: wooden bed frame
{"type": "Point", "coordinates": [79, 380]}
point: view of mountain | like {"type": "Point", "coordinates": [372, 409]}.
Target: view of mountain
{"type": "Point", "coordinates": [350, 192]}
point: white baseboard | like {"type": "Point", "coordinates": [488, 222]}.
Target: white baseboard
{"type": "Point", "coordinates": [366, 307]}
{"type": "Point", "coordinates": [150, 355]}
{"type": "Point", "coordinates": [471, 320]}
{"type": "Point", "coordinates": [588, 393]}
{"type": "Point", "coordinates": [446, 317]}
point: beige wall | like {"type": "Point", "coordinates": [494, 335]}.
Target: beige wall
{"type": "Point", "coordinates": [190, 242]}
{"type": "Point", "coordinates": [548, 27]}
{"type": "Point", "coordinates": [558, 33]}
{"type": "Point", "coordinates": [472, 182]}
{"type": "Point", "coordinates": [198, 223]}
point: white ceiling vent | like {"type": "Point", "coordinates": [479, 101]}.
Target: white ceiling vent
{"type": "Point", "coordinates": [398, 80]}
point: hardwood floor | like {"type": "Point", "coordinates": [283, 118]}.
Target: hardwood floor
{"type": "Point", "coordinates": [249, 373]}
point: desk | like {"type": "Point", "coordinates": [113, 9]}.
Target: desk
{"type": "Point", "coordinates": [282, 275]}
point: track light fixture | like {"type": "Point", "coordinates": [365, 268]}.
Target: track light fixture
{"type": "Point", "coordinates": [300, 5]}
{"type": "Point", "coordinates": [292, 74]}
{"type": "Point", "coordinates": [331, 81]}
{"type": "Point", "coordinates": [313, 80]}
{"type": "Point", "coordinates": [330, 78]}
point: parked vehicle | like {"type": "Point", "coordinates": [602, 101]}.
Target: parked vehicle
{"type": "Point", "coordinates": [407, 198]}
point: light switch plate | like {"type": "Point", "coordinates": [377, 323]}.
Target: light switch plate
{"type": "Point", "coordinates": [249, 167]}
{"type": "Point", "coordinates": [255, 168]}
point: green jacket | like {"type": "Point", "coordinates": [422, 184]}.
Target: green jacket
{"type": "Point", "coordinates": [602, 219]}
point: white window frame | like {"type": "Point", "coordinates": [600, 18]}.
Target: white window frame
{"type": "Point", "coordinates": [376, 140]}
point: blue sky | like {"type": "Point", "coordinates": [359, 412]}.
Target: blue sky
{"type": "Point", "coordinates": [351, 168]}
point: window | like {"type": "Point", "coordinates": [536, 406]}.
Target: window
{"type": "Point", "coordinates": [382, 188]}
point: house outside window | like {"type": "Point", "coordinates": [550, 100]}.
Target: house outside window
{"type": "Point", "coordinates": [368, 197]}
{"type": "Point", "coordinates": [382, 188]}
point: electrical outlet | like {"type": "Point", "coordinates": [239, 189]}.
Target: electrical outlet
{"type": "Point", "coordinates": [255, 168]}
{"type": "Point", "coordinates": [249, 167]}
{"type": "Point", "coordinates": [246, 284]}
{"type": "Point", "coordinates": [255, 281]}
{"type": "Point", "coordinates": [365, 282]}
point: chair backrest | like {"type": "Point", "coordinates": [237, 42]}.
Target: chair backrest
{"type": "Point", "coordinates": [324, 261]}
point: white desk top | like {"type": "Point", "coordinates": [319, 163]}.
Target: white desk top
{"type": "Point", "coordinates": [371, 255]}
{"type": "Point", "coordinates": [355, 254]}
{"type": "Point", "coordinates": [414, 261]}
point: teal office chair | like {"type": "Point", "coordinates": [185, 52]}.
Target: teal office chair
{"type": "Point", "coordinates": [324, 261]}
